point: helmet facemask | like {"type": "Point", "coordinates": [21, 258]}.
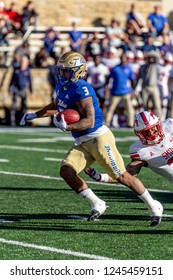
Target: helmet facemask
{"type": "Point", "coordinates": [65, 76]}
{"type": "Point", "coordinates": [70, 68]}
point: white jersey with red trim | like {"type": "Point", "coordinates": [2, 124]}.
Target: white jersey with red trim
{"type": "Point", "coordinates": [159, 157]}
{"type": "Point", "coordinates": [97, 75]}
{"type": "Point", "coordinates": [163, 76]}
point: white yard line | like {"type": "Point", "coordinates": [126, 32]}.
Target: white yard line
{"type": "Point", "coordinates": [52, 159]}
{"type": "Point", "coordinates": [23, 148]}
{"type": "Point", "coordinates": [46, 177]}
{"type": "Point", "coordinates": [60, 179]}
{"type": "Point", "coordinates": [52, 249]}
{"type": "Point", "coordinates": [29, 175]}
{"type": "Point", "coordinates": [4, 160]}
{"type": "Point", "coordinates": [30, 130]}
{"type": "Point", "coordinates": [167, 216]}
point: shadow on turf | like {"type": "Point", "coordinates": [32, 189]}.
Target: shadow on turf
{"type": "Point", "coordinates": [128, 196]}
{"type": "Point", "coordinates": [19, 222]}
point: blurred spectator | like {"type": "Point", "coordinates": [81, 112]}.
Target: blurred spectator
{"type": "Point", "coordinates": [3, 13]}
{"type": "Point", "coordinates": [111, 58]}
{"type": "Point", "coordinates": [119, 38]}
{"type": "Point", "coordinates": [49, 40]}
{"type": "Point", "coordinates": [167, 44]}
{"type": "Point", "coordinates": [149, 44]}
{"type": "Point", "coordinates": [105, 45]}
{"type": "Point", "coordinates": [5, 29]}
{"type": "Point", "coordinates": [97, 76]}
{"type": "Point", "coordinates": [134, 16]}
{"type": "Point", "coordinates": [138, 61]}
{"type": "Point", "coordinates": [52, 77]}
{"type": "Point", "coordinates": [52, 80]}
{"type": "Point", "coordinates": [93, 45]}
{"type": "Point", "coordinates": [14, 18]}
{"type": "Point", "coordinates": [120, 117]}
{"type": "Point", "coordinates": [115, 34]}
{"type": "Point", "coordinates": [148, 73]}
{"type": "Point", "coordinates": [40, 59]}
{"type": "Point", "coordinates": [21, 81]}
{"type": "Point", "coordinates": [170, 88]}
{"type": "Point", "coordinates": [130, 58]}
{"type": "Point", "coordinates": [157, 23]}
{"type": "Point", "coordinates": [164, 74]}
{"type": "Point", "coordinates": [29, 16]}
{"type": "Point", "coordinates": [19, 52]}
{"type": "Point", "coordinates": [76, 38]}
{"type": "Point", "coordinates": [121, 90]}
{"type": "Point", "coordinates": [132, 31]}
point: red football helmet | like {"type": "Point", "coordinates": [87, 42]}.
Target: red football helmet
{"type": "Point", "coordinates": [148, 128]}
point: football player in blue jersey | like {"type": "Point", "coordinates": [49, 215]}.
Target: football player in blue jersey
{"type": "Point", "coordinates": [93, 141]}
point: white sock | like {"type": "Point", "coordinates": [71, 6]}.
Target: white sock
{"type": "Point", "coordinates": [104, 178]}
{"type": "Point", "coordinates": [89, 196]}
{"type": "Point", "coordinates": [147, 198]}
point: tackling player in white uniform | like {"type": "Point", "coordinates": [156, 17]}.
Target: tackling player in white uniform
{"type": "Point", "coordinates": [154, 149]}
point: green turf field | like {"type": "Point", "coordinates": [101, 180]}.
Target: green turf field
{"type": "Point", "coordinates": [43, 219]}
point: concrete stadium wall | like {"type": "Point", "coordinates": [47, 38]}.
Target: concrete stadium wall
{"type": "Point", "coordinates": [88, 12]}
{"type": "Point", "coordinates": [40, 97]}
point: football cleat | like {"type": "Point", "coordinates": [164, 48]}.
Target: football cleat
{"type": "Point", "coordinates": [97, 211]}
{"type": "Point", "coordinates": [156, 214]}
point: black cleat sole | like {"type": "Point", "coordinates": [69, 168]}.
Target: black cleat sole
{"type": "Point", "coordinates": [93, 216]}
{"type": "Point", "coordinates": [155, 221]}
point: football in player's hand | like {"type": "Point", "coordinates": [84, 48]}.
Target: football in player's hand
{"type": "Point", "coordinates": [71, 116]}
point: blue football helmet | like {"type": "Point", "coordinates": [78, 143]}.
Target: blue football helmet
{"type": "Point", "coordinates": [71, 67]}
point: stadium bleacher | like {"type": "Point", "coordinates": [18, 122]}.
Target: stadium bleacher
{"type": "Point", "coordinates": [35, 36]}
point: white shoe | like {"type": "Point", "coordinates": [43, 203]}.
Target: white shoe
{"type": "Point", "coordinates": [97, 210]}
{"type": "Point", "coordinates": [156, 214]}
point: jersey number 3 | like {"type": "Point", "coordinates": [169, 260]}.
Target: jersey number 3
{"type": "Point", "coordinates": [85, 90]}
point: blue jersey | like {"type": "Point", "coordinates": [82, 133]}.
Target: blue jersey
{"type": "Point", "coordinates": [75, 35]}
{"type": "Point", "coordinates": [66, 99]}
{"type": "Point", "coordinates": [50, 43]}
{"type": "Point", "coordinates": [158, 21]}
{"type": "Point", "coordinates": [21, 79]}
{"type": "Point", "coordinates": [121, 79]}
